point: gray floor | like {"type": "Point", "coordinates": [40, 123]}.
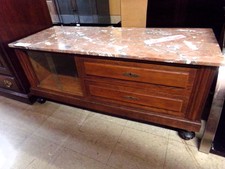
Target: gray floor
{"type": "Point", "coordinates": [54, 136]}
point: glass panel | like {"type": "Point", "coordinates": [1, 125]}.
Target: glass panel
{"type": "Point", "coordinates": [67, 11]}
{"type": "Point", "coordinates": [56, 72]}
{"type": "Point", "coordinates": [87, 11]}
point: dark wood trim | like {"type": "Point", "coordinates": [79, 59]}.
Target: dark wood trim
{"type": "Point", "coordinates": [26, 98]}
{"type": "Point", "coordinates": [204, 78]}
{"type": "Point", "coordinates": [194, 93]}
{"type": "Point", "coordinates": [80, 72]}
{"type": "Point", "coordinates": [118, 111]}
{"type": "Point", "coordinates": [26, 64]}
{"type": "Point", "coordinates": [17, 20]}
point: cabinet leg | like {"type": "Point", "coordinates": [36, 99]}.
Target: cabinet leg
{"type": "Point", "coordinates": [41, 100]}
{"type": "Point", "coordinates": [186, 135]}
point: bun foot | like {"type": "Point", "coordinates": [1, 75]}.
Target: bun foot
{"type": "Point", "coordinates": [41, 100]}
{"type": "Point", "coordinates": [186, 135]}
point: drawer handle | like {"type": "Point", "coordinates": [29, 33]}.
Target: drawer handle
{"type": "Point", "coordinates": [129, 74]}
{"type": "Point", "coordinates": [130, 98]}
{"type": "Point", "coordinates": [8, 83]}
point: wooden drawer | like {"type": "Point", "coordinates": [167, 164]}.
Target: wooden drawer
{"type": "Point", "coordinates": [140, 72]}
{"type": "Point", "coordinates": [149, 99]}
{"type": "Point", "coordinates": [8, 82]}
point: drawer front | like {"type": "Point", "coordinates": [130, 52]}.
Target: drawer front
{"type": "Point", "coordinates": [139, 72]}
{"type": "Point", "coordinates": [8, 82]}
{"type": "Point", "coordinates": [137, 98]}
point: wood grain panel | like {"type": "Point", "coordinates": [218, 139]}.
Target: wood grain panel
{"type": "Point", "coordinates": [120, 111]}
{"type": "Point", "coordinates": [17, 20]}
{"type": "Point", "coordinates": [8, 82]}
{"type": "Point", "coordinates": [136, 98]}
{"type": "Point", "coordinates": [155, 76]}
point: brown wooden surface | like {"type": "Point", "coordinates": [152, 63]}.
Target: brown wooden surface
{"type": "Point", "coordinates": [195, 89]}
{"type": "Point", "coordinates": [79, 66]}
{"type": "Point", "coordinates": [65, 84]}
{"type": "Point", "coordinates": [154, 74]}
{"type": "Point", "coordinates": [124, 112]}
{"type": "Point", "coordinates": [40, 76]}
{"type": "Point", "coordinates": [22, 18]}
{"type": "Point", "coordinates": [3, 66]}
{"type": "Point", "coordinates": [181, 95]}
{"type": "Point", "coordinates": [200, 91]}
{"type": "Point", "coordinates": [174, 106]}
{"type": "Point", "coordinates": [118, 93]}
{"type": "Point", "coordinates": [8, 82]}
{"type": "Point", "coordinates": [27, 66]}
{"type": "Point", "coordinates": [41, 71]}
{"type": "Point", "coordinates": [26, 98]}
{"type": "Point", "coordinates": [155, 90]}
{"type": "Point", "coordinates": [17, 20]}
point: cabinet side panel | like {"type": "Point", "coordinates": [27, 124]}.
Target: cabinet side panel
{"type": "Point", "coordinates": [27, 67]}
{"type": "Point", "coordinates": [22, 18]}
{"type": "Point", "coordinates": [200, 92]}
{"type": "Point", "coordinates": [3, 66]}
{"type": "Point", "coordinates": [17, 20]}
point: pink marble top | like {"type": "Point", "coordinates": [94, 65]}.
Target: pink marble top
{"type": "Point", "coordinates": [195, 46]}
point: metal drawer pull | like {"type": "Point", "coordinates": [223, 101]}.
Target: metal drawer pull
{"type": "Point", "coordinates": [7, 83]}
{"type": "Point", "coordinates": [130, 97]}
{"type": "Point", "coordinates": [129, 74]}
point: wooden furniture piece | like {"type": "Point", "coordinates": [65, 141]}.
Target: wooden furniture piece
{"type": "Point", "coordinates": [161, 76]}
{"type": "Point", "coordinates": [17, 20]}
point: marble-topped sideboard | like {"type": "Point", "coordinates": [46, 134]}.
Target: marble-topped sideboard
{"type": "Point", "coordinates": [158, 75]}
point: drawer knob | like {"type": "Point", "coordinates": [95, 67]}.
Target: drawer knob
{"type": "Point", "coordinates": [129, 74]}
{"type": "Point", "coordinates": [130, 98]}
{"type": "Point", "coordinates": [7, 83]}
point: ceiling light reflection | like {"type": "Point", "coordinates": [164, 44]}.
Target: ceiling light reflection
{"type": "Point", "coordinates": [7, 154]}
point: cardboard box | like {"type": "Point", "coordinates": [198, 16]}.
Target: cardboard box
{"type": "Point", "coordinates": [133, 13]}
{"type": "Point", "coordinates": [114, 7]}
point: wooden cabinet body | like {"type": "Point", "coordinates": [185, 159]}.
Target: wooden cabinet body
{"type": "Point", "coordinates": [17, 20]}
{"type": "Point", "coordinates": [3, 67]}
{"type": "Point", "coordinates": [162, 93]}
